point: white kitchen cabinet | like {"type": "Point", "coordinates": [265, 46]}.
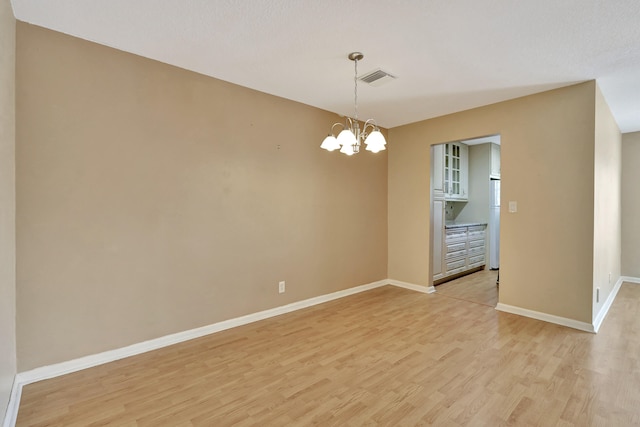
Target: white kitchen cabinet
{"type": "Point", "coordinates": [456, 171]}
{"type": "Point", "coordinates": [437, 171]}
{"type": "Point", "coordinates": [438, 238]}
{"type": "Point", "coordinates": [463, 250]}
{"type": "Point", "coordinates": [438, 213]}
{"type": "Point", "coordinates": [476, 237]}
{"type": "Point", "coordinates": [495, 162]}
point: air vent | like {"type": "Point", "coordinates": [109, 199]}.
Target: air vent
{"type": "Point", "coordinates": [377, 78]}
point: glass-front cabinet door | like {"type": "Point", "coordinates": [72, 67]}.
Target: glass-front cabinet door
{"type": "Point", "coordinates": [447, 178]}
{"type": "Point", "coordinates": [456, 160]}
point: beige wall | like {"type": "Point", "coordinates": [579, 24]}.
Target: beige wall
{"type": "Point", "coordinates": [7, 205]}
{"type": "Point", "coordinates": [547, 166]}
{"type": "Point", "coordinates": [630, 205]}
{"type": "Point", "coordinates": [153, 200]}
{"type": "Point", "coordinates": [607, 215]}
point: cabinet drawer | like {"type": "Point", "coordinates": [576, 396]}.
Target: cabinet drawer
{"type": "Point", "coordinates": [476, 243]}
{"type": "Point", "coordinates": [457, 254]}
{"type": "Point", "coordinates": [476, 251]}
{"type": "Point", "coordinates": [476, 261]}
{"type": "Point", "coordinates": [455, 266]}
{"type": "Point", "coordinates": [455, 247]}
{"type": "Point", "coordinates": [476, 234]}
{"type": "Point", "coordinates": [455, 234]}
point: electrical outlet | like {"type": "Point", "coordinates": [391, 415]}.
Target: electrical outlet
{"type": "Point", "coordinates": [597, 294]}
{"type": "Point", "coordinates": [281, 287]}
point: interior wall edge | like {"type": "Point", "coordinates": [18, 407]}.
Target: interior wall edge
{"type": "Point", "coordinates": [8, 341]}
{"type": "Point", "coordinates": [604, 309]}
{"type": "Point", "coordinates": [607, 232]}
{"type": "Point", "coordinates": [630, 201]}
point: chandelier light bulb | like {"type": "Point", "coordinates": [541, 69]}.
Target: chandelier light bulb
{"type": "Point", "coordinates": [375, 142]}
{"type": "Point", "coordinates": [330, 143]}
{"type": "Point", "coordinates": [347, 149]}
{"type": "Point", "coordinates": [346, 137]}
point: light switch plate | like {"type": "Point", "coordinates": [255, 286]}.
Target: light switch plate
{"type": "Point", "coordinates": [513, 207]}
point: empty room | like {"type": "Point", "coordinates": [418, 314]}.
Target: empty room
{"type": "Point", "coordinates": [287, 213]}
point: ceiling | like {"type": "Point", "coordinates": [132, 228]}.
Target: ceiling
{"type": "Point", "coordinates": [447, 55]}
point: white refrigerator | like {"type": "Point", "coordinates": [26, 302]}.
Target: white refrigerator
{"type": "Point", "coordinates": [494, 225]}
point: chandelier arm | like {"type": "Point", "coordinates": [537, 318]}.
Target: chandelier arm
{"type": "Point", "coordinates": [335, 124]}
{"type": "Point", "coordinates": [348, 124]}
{"type": "Point", "coordinates": [371, 124]}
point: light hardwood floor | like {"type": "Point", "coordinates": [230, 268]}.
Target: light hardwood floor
{"type": "Point", "coordinates": [479, 287]}
{"type": "Point", "coordinates": [388, 356]}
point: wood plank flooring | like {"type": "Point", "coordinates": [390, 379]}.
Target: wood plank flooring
{"type": "Point", "coordinates": [388, 356]}
{"type": "Point", "coordinates": [479, 287]}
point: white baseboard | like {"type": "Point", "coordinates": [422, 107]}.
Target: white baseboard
{"type": "Point", "coordinates": [411, 286]}
{"type": "Point", "coordinates": [635, 280]}
{"type": "Point", "coordinates": [81, 363]}
{"type": "Point", "coordinates": [46, 372]}
{"type": "Point", "coordinates": [58, 369]}
{"type": "Point", "coordinates": [563, 321]}
{"type": "Point", "coordinates": [11, 415]}
{"type": "Point", "coordinates": [597, 321]}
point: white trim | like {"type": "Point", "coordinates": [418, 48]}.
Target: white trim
{"type": "Point", "coordinates": [563, 321]}
{"type": "Point", "coordinates": [411, 286]}
{"type": "Point", "coordinates": [11, 415]}
{"type": "Point", "coordinates": [597, 321]}
{"type": "Point", "coordinates": [74, 365]}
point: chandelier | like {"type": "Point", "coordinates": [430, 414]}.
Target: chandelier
{"type": "Point", "coordinates": [351, 136]}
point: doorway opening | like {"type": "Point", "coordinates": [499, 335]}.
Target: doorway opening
{"type": "Point", "coordinates": [465, 218]}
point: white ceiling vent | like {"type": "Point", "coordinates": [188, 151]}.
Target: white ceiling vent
{"type": "Point", "coordinates": [377, 78]}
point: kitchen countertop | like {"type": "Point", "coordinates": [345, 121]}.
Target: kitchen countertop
{"type": "Point", "coordinates": [456, 224]}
